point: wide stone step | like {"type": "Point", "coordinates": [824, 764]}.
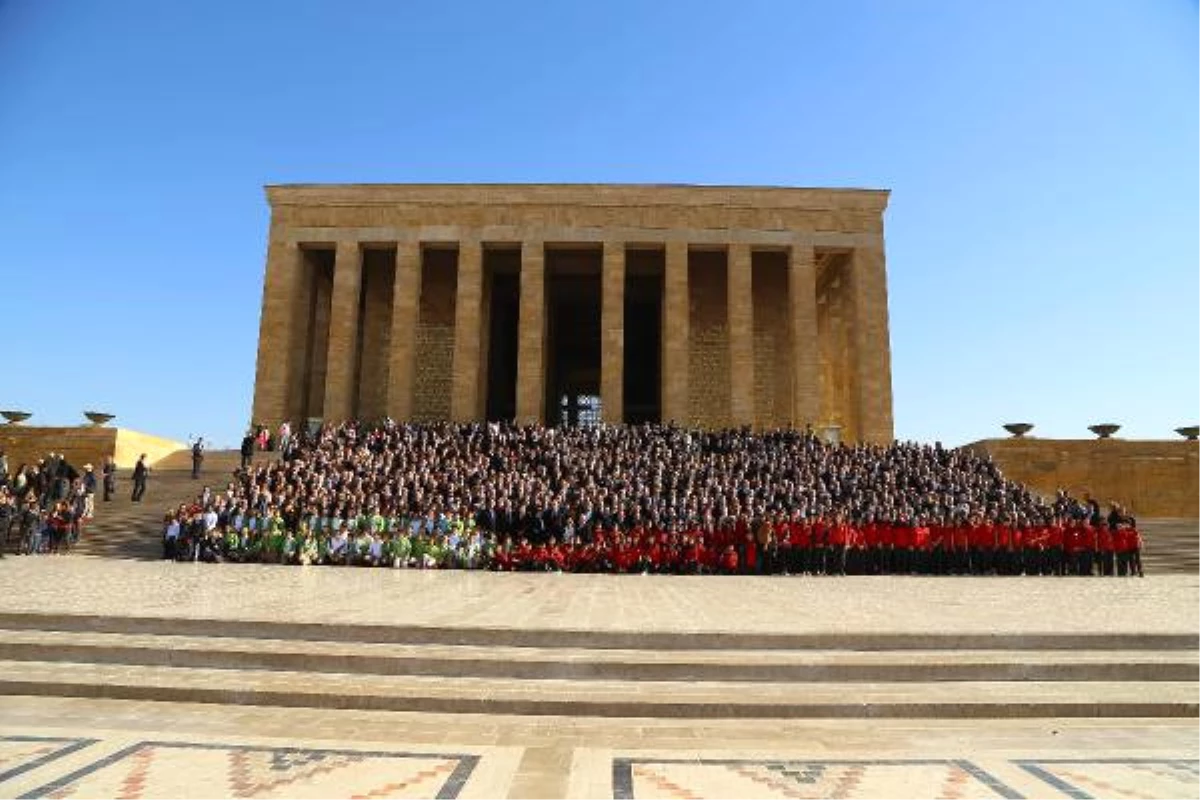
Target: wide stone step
{"type": "Point", "coordinates": [595, 639]}
{"type": "Point", "coordinates": [563, 663]}
{"type": "Point", "coordinates": [693, 699]}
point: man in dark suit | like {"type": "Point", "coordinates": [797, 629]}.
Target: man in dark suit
{"type": "Point", "coordinates": [197, 457]}
{"type": "Point", "coordinates": [247, 449]}
{"type": "Point", "coordinates": [140, 473]}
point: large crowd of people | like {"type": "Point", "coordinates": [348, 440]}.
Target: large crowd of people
{"type": "Point", "coordinates": [45, 507]}
{"type": "Point", "coordinates": [639, 499]}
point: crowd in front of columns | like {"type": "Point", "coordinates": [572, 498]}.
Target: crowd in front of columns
{"type": "Point", "coordinates": [45, 507]}
{"type": "Point", "coordinates": [642, 499]}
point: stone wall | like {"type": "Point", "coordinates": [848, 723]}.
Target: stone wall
{"type": "Point", "coordinates": [82, 445]}
{"type": "Point", "coordinates": [772, 342]}
{"type": "Point", "coordinates": [834, 311]}
{"type": "Point", "coordinates": [1151, 478]}
{"type": "Point", "coordinates": [434, 369]}
{"type": "Point", "coordinates": [708, 345]}
{"type": "Point", "coordinates": [594, 205]}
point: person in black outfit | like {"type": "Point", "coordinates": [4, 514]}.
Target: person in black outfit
{"type": "Point", "coordinates": [197, 457]}
{"type": "Point", "coordinates": [110, 478]}
{"type": "Point", "coordinates": [247, 449]}
{"type": "Point", "coordinates": [140, 472]}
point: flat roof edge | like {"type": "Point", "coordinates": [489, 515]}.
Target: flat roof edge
{"type": "Point", "coordinates": [578, 193]}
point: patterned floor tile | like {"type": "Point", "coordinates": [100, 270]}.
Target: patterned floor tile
{"type": "Point", "coordinates": [20, 754]}
{"type": "Point", "coordinates": [1118, 777]}
{"type": "Point", "coordinates": [153, 769]}
{"type": "Point", "coordinates": [681, 779]}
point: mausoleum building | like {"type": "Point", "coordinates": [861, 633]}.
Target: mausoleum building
{"type": "Point", "coordinates": [710, 306]}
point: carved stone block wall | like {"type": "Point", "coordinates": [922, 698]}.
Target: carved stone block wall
{"type": "Point", "coordinates": [772, 342]}
{"type": "Point", "coordinates": [434, 369]}
{"type": "Point", "coordinates": [708, 346]}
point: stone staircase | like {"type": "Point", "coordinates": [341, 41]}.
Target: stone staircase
{"type": "Point", "coordinates": [124, 529]}
{"type": "Point", "coordinates": [599, 674]}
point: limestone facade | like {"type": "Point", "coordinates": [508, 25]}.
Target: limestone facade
{"type": "Point", "coordinates": [85, 444]}
{"type": "Point", "coordinates": [771, 303]}
{"type": "Point", "coordinates": [1150, 478]}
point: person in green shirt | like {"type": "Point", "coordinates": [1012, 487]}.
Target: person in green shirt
{"type": "Point", "coordinates": [233, 544]}
{"type": "Point", "coordinates": [403, 550]}
{"type": "Point", "coordinates": [290, 545]}
{"type": "Point", "coordinates": [309, 550]}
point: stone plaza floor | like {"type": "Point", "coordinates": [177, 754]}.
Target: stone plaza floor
{"type": "Point", "coordinates": [462, 599]}
{"type": "Point", "coordinates": [62, 747]}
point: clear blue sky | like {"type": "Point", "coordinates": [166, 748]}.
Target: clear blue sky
{"type": "Point", "coordinates": [1042, 156]}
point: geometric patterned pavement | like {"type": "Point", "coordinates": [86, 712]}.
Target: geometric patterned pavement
{"type": "Point", "coordinates": [684, 779]}
{"type": "Point", "coordinates": [131, 769]}
{"type": "Point", "coordinates": [20, 754]}
{"type": "Point", "coordinates": [152, 769]}
{"type": "Point", "coordinates": [677, 779]}
{"type": "Point", "coordinates": [1117, 777]}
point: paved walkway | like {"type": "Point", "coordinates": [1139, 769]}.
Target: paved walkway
{"type": "Point", "coordinates": [798, 605]}
{"type": "Point", "coordinates": [86, 748]}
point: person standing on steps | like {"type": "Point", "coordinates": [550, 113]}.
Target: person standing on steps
{"type": "Point", "coordinates": [197, 457]}
{"type": "Point", "coordinates": [140, 473]}
{"type": "Point", "coordinates": [110, 477]}
{"type": "Point", "coordinates": [247, 449]}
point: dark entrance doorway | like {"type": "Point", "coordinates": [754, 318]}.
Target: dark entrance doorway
{"type": "Point", "coordinates": [502, 292]}
{"type": "Point", "coordinates": [573, 336]}
{"type": "Point", "coordinates": [643, 336]}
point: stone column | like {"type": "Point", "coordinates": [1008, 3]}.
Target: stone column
{"type": "Point", "coordinates": [406, 296]}
{"type": "Point", "coordinates": [872, 351]}
{"type": "Point", "coordinates": [805, 355]}
{"type": "Point", "coordinates": [277, 369]}
{"type": "Point", "coordinates": [740, 316]}
{"type": "Point", "coordinates": [675, 326]}
{"type": "Point", "coordinates": [612, 333]}
{"type": "Point", "coordinates": [341, 370]}
{"type": "Point", "coordinates": [531, 390]}
{"type": "Point", "coordinates": [464, 398]}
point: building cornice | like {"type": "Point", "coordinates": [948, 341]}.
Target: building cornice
{"type": "Point", "coordinates": [576, 194]}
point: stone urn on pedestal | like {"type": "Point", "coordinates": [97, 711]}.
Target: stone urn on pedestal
{"type": "Point", "coordinates": [1018, 429]}
{"type": "Point", "coordinates": [15, 417]}
{"type": "Point", "coordinates": [98, 418]}
{"type": "Point", "coordinates": [1104, 430]}
{"type": "Point", "coordinates": [1189, 432]}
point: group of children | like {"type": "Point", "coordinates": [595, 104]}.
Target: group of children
{"type": "Point", "coordinates": [778, 545]}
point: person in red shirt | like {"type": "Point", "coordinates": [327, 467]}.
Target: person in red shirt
{"type": "Point", "coordinates": [729, 561]}
{"type": "Point", "coordinates": [961, 537]}
{"type": "Point", "coordinates": [1033, 549]}
{"type": "Point", "coordinates": [902, 556]}
{"type": "Point", "coordinates": [751, 561]}
{"type": "Point", "coordinates": [939, 548]}
{"type": "Point", "coordinates": [871, 557]}
{"type": "Point", "coordinates": [1128, 546]}
{"type": "Point", "coordinates": [1056, 543]}
{"type": "Point", "coordinates": [1002, 555]}
{"type": "Point", "coordinates": [798, 545]}
{"type": "Point", "coordinates": [983, 545]}
{"type": "Point", "coordinates": [783, 545]}
{"type": "Point", "coordinates": [920, 548]}
{"type": "Point", "coordinates": [835, 548]}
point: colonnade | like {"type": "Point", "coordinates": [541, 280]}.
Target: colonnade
{"type": "Point", "coordinates": [859, 362]}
